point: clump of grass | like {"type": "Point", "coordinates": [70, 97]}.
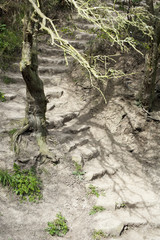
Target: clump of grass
{"type": "Point", "coordinates": [58, 227]}
{"type": "Point", "coordinates": [97, 235]}
{"type": "Point", "coordinates": [96, 209]}
{"type": "Point", "coordinates": [93, 191]}
{"type": "Point", "coordinates": [23, 182]}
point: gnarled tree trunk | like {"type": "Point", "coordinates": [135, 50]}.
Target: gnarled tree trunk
{"type": "Point", "coordinates": [35, 97]}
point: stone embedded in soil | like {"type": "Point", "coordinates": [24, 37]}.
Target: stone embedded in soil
{"type": "Point", "coordinates": [59, 120]}
{"type": "Point", "coordinates": [10, 96]}
{"type": "Point", "coordinates": [108, 223]}
{"type": "Point", "coordinates": [54, 94]}
{"type": "Point", "coordinates": [96, 169]}
{"type": "Point", "coordinates": [76, 129]}
{"type": "Point", "coordinates": [70, 146]}
{"type": "Point", "coordinates": [86, 153]}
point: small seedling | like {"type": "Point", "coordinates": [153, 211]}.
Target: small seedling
{"type": "Point", "coordinates": [78, 169]}
{"type": "Point", "coordinates": [23, 182]}
{"type": "Point", "coordinates": [93, 191]}
{"type": "Point", "coordinates": [120, 205]}
{"type": "Point", "coordinates": [97, 235]}
{"type": "Point", "coordinates": [58, 227]}
{"type": "Point", "coordinates": [2, 97]}
{"type": "Point", "coordinates": [96, 209]}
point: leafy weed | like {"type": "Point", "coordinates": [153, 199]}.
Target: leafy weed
{"type": "Point", "coordinates": [97, 235]}
{"type": "Point", "coordinates": [96, 209]}
{"type": "Point", "coordinates": [58, 227]}
{"type": "Point", "coordinates": [23, 182]}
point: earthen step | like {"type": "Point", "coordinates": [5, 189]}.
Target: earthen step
{"type": "Point", "coordinates": [52, 70]}
{"type": "Point", "coordinates": [59, 120]}
{"type": "Point", "coordinates": [54, 60]}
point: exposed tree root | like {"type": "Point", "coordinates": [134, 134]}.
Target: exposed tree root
{"type": "Point", "coordinates": [46, 154]}
{"type": "Point", "coordinates": [16, 137]}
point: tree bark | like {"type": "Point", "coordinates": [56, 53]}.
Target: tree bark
{"type": "Point", "coordinates": [35, 97]}
{"type": "Point", "coordinates": [147, 92]}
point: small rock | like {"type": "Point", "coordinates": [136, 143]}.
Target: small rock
{"type": "Point", "coordinates": [10, 96]}
{"type": "Point", "coordinates": [77, 158]}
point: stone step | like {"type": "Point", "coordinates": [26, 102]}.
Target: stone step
{"type": "Point", "coordinates": [54, 60]}
{"type": "Point", "coordinates": [84, 153]}
{"type": "Point", "coordinates": [84, 36]}
{"type": "Point", "coordinates": [78, 44]}
{"type": "Point", "coordinates": [51, 79]}
{"type": "Point", "coordinates": [53, 93]}
{"type": "Point", "coordinates": [52, 70]}
{"type": "Point", "coordinates": [46, 50]}
{"type": "Point", "coordinates": [113, 223]}
{"type": "Point", "coordinates": [86, 26]}
{"type": "Point", "coordinates": [97, 169]}
{"type": "Point", "coordinates": [75, 129]}
{"type": "Point", "coordinates": [70, 146]}
{"type": "Point", "coordinates": [59, 120]}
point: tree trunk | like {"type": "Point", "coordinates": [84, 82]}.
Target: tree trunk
{"type": "Point", "coordinates": [147, 92]}
{"type": "Point", "coordinates": [149, 82]}
{"type": "Point", "coordinates": [35, 97]}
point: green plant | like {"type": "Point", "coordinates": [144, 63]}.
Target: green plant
{"type": "Point", "coordinates": [97, 235]}
{"type": "Point", "coordinates": [23, 182]}
{"type": "Point", "coordinates": [120, 205]}
{"type": "Point", "coordinates": [93, 191]}
{"type": "Point", "coordinates": [58, 227]}
{"type": "Point", "coordinates": [2, 97]}
{"type": "Point", "coordinates": [96, 209]}
{"type": "Point", "coordinates": [67, 30]}
{"type": "Point", "coordinates": [78, 169]}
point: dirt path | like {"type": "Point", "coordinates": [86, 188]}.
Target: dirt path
{"type": "Point", "coordinates": [117, 147]}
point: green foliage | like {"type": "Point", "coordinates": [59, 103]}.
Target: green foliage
{"type": "Point", "coordinates": [78, 169]}
{"type": "Point", "coordinates": [9, 40]}
{"type": "Point", "coordinates": [93, 191]}
{"type": "Point", "coordinates": [58, 227]}
{"type": "Point", "coordinates": [10, 43]}
{"type": "Point", "coordinates": [2, 97]}
{"type": "Point", "coordinates": [68, 31]}
{"type": "Point", "coordinates": [97, 235]}
{"type": "Point", "coordinates": [24, 183]}
{"type": "Point", "coordinates": [96, 209]}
